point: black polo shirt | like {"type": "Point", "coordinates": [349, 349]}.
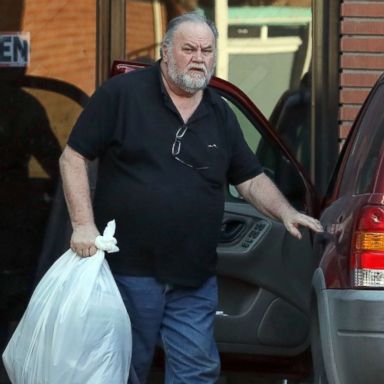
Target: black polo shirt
{"type": "Point", "coordinates": [167, 213]}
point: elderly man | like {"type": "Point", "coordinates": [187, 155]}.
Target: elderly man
{"type": "Point", "coordinates": [166, 145]}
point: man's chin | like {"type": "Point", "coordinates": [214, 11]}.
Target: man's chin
{"type": "Point", "coordinates": [197, 75]}
{"type": "Point", "coordinates": [191, 84]}
{"type": "Point", "coordinates": [194, 87]}
{"type": "Point", "coordinates": [196, 71]}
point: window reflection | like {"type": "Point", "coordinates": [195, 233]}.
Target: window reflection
{"type": "Point", "coordinates": [269, 56]}
{"type": "Point", "coordinates": [275, 164]}
{"type": "Point", "coordinates": [37, 112]}
{"type": "Point", "coordinates": [291, 117]}
{"type": "Point", "coordinates": [269, 47]}
{"type": "Point", "coordinates": [25, 132]}
{"type": "Point", "coordinates": [36, 116]}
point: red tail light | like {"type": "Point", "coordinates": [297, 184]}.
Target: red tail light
{"type": "Point", "coordinates": [367, 261]}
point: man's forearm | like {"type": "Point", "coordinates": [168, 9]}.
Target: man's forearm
{"type": "Point", "coordinates": [263, 194]}
{"type": "Point", "coordinates": [73, 168]}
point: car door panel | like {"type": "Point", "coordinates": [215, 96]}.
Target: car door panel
{"type": "Point", "coordinates": [289, 257]}
{"type": "Point", "coordinates": [264, 279]}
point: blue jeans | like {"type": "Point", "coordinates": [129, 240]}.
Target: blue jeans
{"type": "Point", "coordinates": [182, 319]}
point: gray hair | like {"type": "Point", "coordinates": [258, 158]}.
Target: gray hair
{"type": "Point", "coordinates": [191, 17]}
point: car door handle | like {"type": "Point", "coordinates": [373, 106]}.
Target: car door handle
{"type": "Point", "coordinates": [230, 230]}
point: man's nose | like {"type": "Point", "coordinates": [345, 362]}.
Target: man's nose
{"type": "Point", "coordinates": [198, 56]}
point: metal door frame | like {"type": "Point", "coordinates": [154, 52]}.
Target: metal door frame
{"type": "Point", "coordinates": [110, 35]}
{"type": "Point", "coordinates": [325, 91]}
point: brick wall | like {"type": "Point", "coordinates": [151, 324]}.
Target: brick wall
{"type": "Point", "coordinates": [63, 40]}
{"type": "Point", "coordinates": [362, 55]}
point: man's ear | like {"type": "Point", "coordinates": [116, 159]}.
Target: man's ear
{"type": "Point", "coordinates": [164, 53]}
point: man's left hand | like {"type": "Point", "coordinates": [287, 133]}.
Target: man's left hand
{"type": "Point", "coordinates": [293, 220]}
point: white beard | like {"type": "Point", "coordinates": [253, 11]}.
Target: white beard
{"type": "Point", "coordinates": [187, 82]}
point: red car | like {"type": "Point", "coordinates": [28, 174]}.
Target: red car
{"type": "Point", "coordinates": [347, 287]}
{"type": "Point", "coordinates": [278, 295]}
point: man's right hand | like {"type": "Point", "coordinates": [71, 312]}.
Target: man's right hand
{"type": "Point", "coordinates": [83, 240]}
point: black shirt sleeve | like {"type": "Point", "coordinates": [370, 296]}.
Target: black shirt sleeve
{"type": "Point", "coordinates": [95, 125]}
{"type": "Point", "coordinates": [244, 164]}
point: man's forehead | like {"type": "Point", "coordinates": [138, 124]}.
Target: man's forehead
{"type": "Point", "coordinates": [194, 32]}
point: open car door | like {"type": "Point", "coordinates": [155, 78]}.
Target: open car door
{"type": "Point", "coordinates": [264, 273]}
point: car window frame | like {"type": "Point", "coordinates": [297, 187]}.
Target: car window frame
{"type": "Point", "coordinates": [333, 190]}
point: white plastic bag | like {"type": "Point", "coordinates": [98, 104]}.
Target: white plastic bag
{"type": "Point", "coordinates": [76, 329]}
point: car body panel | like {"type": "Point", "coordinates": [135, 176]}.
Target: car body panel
{"type": "Point", "coordinates": [350, 320]}
{"type": "Point", "coordinates": [341, 208]}
{"type": "Point", "coordinates": [333, 246]}
{"type": "Point", "coordinates": [352, 342]}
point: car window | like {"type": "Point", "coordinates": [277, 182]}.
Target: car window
{"type": "Point", "coordinates": [291, 118]}
{"type": "Point", "coordinates": [275, 164]}
{"type": "Point", "coordinates": [366, 150]}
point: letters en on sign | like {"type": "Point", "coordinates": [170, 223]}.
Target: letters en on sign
{"type": "Point", "coordinates": [14, 49]}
